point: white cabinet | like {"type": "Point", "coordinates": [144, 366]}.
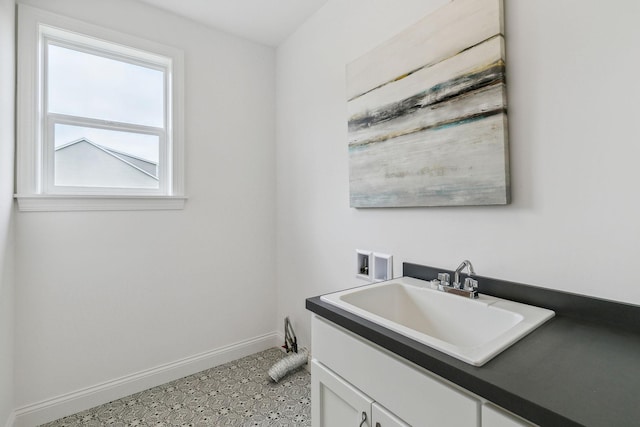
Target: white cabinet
{"type": "Point", "coordinates": [351, 376]}
{"type": "Point", "coordinates": [336, 402]}
{"type": "Point", "coordinates": [414, 395]}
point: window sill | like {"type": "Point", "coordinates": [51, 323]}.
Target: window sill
{"type": "Point", "coordinates": [69, 203]}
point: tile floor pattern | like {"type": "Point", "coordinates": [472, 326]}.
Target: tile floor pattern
{"type": "Point", "coordinates": [239, 393]}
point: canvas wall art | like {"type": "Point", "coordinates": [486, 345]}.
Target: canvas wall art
{"type": "Point", "coordinates": [428, 113]}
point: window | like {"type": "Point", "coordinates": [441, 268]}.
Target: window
{"type": "Point", "coordinates": [99, 116]}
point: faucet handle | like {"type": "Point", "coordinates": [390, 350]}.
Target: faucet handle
{"type": "Point", "coordinates": [444, 278]}
{"type": "Point", "coordinates": [470, 283]}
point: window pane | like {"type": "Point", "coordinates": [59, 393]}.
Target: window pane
{"type": "Point", "coordinates": [87, 85]}
{"type": "Point", "coordinates": [91, 157]}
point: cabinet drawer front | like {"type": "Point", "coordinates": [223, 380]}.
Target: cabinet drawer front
{"type": "Point", "coordinates": [419, 398]}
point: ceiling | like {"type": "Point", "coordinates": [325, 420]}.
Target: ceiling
{"type": "Point", "coordinates": [268, 22]}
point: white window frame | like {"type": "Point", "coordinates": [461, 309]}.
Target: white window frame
{"type": "Point", "coordinates": [35, 152]}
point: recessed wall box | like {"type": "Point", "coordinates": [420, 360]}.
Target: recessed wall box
{"type": "Point", "coordinates": [382, 267]}
{"type": "Point", "coordinates": [364, 261]}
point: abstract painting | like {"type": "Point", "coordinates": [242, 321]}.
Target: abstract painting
{"type": "Point", "coordinates": [428, 113]}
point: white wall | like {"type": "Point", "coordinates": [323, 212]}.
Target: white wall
{"type": "Point", "coordinates": [7, 87]}
{"type": "Point", "coordinates": [107, 294]}
{"type": "Point", "coordinates": [572, 91]}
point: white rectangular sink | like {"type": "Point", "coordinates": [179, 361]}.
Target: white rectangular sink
{"type": "Point", "coordinates": [472, 330]}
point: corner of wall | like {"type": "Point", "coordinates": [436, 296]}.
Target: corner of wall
{"type": "Point", "coordinates": [7, 138]}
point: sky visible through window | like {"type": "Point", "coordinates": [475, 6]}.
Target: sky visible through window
{"type": "Point", "coordinates": [91, 86]}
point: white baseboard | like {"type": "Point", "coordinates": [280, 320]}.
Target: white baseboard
{"type": "Point", "coordinates": [11, 420]}
{"type": "Point", "coordinates": [80, 400]}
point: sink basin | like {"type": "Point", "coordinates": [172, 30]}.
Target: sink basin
{"type": "Point", "coordinates": [472, 330]}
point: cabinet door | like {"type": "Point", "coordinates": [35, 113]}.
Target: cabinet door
{"type": "Point", "coordinates": [493, 416]}
{"type": "Point", "coordinates": [336, 403]}
{"type": "Point", "coordinates": [383, 418]}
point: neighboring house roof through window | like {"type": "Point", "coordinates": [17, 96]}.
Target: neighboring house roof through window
{"type": "Point", "coordinates": [83, 162]}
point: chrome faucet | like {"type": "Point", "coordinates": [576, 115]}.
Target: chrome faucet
{"type": "Point", "coordinates": [456, 276]}
{"type": "Point", "coordinates": [470, 287]}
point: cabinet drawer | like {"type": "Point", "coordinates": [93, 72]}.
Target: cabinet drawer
{"type": "Point", "coordinates": [420, 398]}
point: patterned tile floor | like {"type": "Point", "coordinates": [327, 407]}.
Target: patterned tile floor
{"type": "Point", "coordinates": [238, 393]}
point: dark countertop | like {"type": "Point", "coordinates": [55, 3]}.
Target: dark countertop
{"type": "Point", "coordinates": [574, 370]}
